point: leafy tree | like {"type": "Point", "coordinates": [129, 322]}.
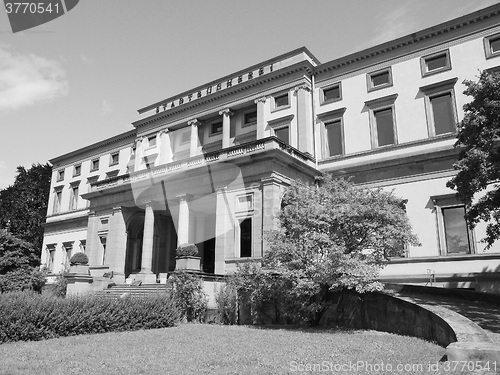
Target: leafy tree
{"type": "Point", "coordinates": [331, 237]}
{"type": "Point", "coordinates": [23, 205]}
{"type": "Point", "coordinates": [478, 162]}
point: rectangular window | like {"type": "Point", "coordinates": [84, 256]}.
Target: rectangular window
{"type": "Point", "coordinates": [57, 202]}
{"type": "Point", "coordinates": [331, 94]}
{"type": "Point", "coordinates": [281, 101]}
{"type": "Point", "coordinates": [440, 107]}
{"type": "Point", "coordinates": [50, 262]}
{"type": "Point", "coordinates": [435, 63]}
{"type": "Point", "coordinates": [216, 128]}
{"type": "Point", "coordinates": [334, 143]}
{"type": "Point", "coordinates": [245, 202]}
{"type": "Point", "coordinates": [384, 127]}
{"type": "Point", "coordinates": [73, 202]}
{"type": "Point", "coordinates": [60, 175]}
{"type": "Point", "coordinates": [94, 165]}
{"type": "Point", "coordinates": [152, 141]}
{"type": "Point", "coordinates": [455, 230]}
{"type": "Point", "coordinates": [492, 46]}
{"type": "Point", "coordinates": [250, 118]}
{"type": "Point", "coordinates": [382, 121]}
{"type": "Point", "coordinates": [77, 170]}
{"type": "Point", "coordinates": [115, 158]}
{"type": "Point", "coordinates": [185, 137]}
{"type": "Point", "coordinates": [246, 238]}
{"type": "Point", "coordinates": [379, 79]}
{"type": "Point", "coordinates": [283, 134]}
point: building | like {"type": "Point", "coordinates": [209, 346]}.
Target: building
{"type": "Point", "coordinates": [209, 165]}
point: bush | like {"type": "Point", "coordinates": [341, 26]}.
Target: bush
{"type": "Point", "coordinates": [187, 250]}
{"type": "Point", "coordinates": [60, 287]}
{"type": "Point", "coordinates": [28, 316]}
{"type": "Point", "coordinates": [22, 279]}
{"type": "Point", "coordinates": [79, 258]}
{"type": "Point", "coordinates": [189, 296]}
{"type": "Point", "coordinates": [227, 304]}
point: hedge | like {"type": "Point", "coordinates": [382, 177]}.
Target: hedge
{"type": "Point", "coordinates": [30, 316]}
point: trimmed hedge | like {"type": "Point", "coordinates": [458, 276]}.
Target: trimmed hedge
{"type": "Point", "coordinates": [29, 316]}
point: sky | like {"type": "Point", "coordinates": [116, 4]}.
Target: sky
{"type": "Point", "coordinates": [82, 77]}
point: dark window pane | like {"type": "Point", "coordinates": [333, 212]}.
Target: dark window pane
{"type": "Point", "coordinates": [442, 111]}
{"type": "Point", "coordinates": [246, 238]}
{"type": "Point", "coordinates": [283, 134]}
{"type": "Point", "coordinates": [332, 93]}
{"type": "Point", "coordinates": [380, 79]}
{"type": "Point", "coordinates": [216, 128]}
{"type": "Point", "coordinates": [455, 228]}
{"type": "Point", "coordinates": [437, 62]}
{"type": "Point", "coordinates": [334, 138]}
{"type": "Point", "coordinates": [281, 101]}
{"type": "Point", "coordinates": [385, 127]}
{"type": "Point", "coordinates": [250, 117]}
{"type": "Point", "coordinates": [495, 45]}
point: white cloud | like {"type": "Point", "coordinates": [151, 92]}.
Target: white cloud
{"type": "Point", "coordinates": [7, 176]}
{"type": "Point", "coordinates": [105, 107]}
{"type": "Point", "coordinates": [26, 79]}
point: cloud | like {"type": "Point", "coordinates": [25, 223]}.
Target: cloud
{"type": "Point", "coordinates": [26, 79]}
{"type": "Point", "coordinates": [7, 176]}
{"type": "Point", "coordinates": [105, 107]}
{"type": "Point", "coordinates": [87, 60]}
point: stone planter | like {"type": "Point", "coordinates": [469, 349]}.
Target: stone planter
{"type": "Point", "coordinates": [187, 263]}
{"type": "Point", "coordinates": [79, 269]}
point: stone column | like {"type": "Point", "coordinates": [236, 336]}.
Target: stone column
{"type": "Point", "coordinates": [183, 220]}
{"type": "Point", "coordinates": [165, 147]}
{"type": "Point", "coordinates": [139, 154]}
{"type": "Point", "coordinates": [226, 126]}
{"type": "Point", "coordinates": [92, 249]}
{"type": "Point", "coordinates": [193, 150]}
{"type": "Point", "coordinates": [261, 122]}
{"type": "Point", "coordinates": [224, 228]}
{"type": "Point", "coordinates": [304, 120]}
{"type": "Point", "coordinates": [146, 275]}
{"type": "Point", "coordinates": [116, 244]}
{"type": "Point", "coordinates": [271, 204]}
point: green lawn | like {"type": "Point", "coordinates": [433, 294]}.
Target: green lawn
{"type": "Point", "coordinates": [213, 349]}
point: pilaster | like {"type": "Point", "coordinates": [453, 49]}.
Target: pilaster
{"type": "Point", "coordinates": [304, 120]}
{"type": "Point", "coordinates": [261, 120]}
{"type": "Point", "coordinates": [165, 147]}
{"type": "Point", "coordinates": [223, 230]}
{"type": "Point", "coordinates": [183, 220]}
{"type": "Point", "coordinates": [117, 242]}
{"type": "Point", "coordinates": [147, 245]}
{"type": "Point", "coordinates": [226, 127]}
{"type": "Point", "coordinates": [193, 149]}
{"type": "Point", "coordinates": [271, 205]}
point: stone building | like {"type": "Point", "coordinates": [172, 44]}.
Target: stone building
{"type": "Point", "coordinates": [209, 165]}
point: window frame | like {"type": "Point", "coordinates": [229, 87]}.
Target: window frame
{"type": "Point", "coordinates": [329, 87]}
{"type": "Point", "coordinates": [93, 162]}
{"type": "Point", "coordinates": [487, 46]}
{"type": "Point", "coordinates": [281, 107]}
{"type": "Point", "coordinates": [424, 68]}
{"type": "Point", "coordinates": [213, 133]}
{"type": "Point", "coordinates": [245, 123]}
{"type": "Point", "coordinates": [238, 239]}
{"type": "Point", "coordinates": [73, 200]}
{"type": "Point", "coordinates": [328, 118]}
{"type": "Point", "coordinates": [57, 203]}
{"type": "Point", "coordinates": [377, 105]}
{"type": "Point", "coordinates": [60, 174]}
{"type": "Point", "coordinates": [435, 90]}
{"type": "Point", "coordinates": [369, 79]}
{"type": "Point", "coordinates": [183, 141]}
{"type": "Point", "coordinates": [77, 170]}
{"type": "Point", "coordinates": [111, 157]}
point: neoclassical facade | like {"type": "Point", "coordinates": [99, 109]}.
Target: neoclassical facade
{"type": "Point", "coordinates": [209, 165]}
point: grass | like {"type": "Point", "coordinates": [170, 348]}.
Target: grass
{"type": "Point", "coordinates": [213, 349]}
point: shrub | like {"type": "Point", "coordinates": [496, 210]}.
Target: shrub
{"type": "Point", "coordinates": [227, 304]}
{"type": "Point", "coordinates": [189, 295]}
{"type": "Point", "coordinates": [22, 279]}
{"type": "Point", "coordinates": [79, 259]}
{"type": "Point", "coordinates": [60, 287]}
{"type": "Point", "coordinates": [187, 249]}
{"type": "Point", "coordinates": [29, 316]}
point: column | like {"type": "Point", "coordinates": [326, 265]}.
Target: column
{"type": "Point", "coordinates": [193, 150]}
{"type": "Point", "coordinates": [138, 153]}
{"type": "Point", "coordinates": [226, 126]}
{"type": "Point", "coordinates": [304, 120]}
{"type": "Point", "coordinates": [116, 245]}
{"type": "Point", "coordinates": [261, 124]}
{"type": "Point", "coordinates": [183, 220]}
{"type": "Point", "coordinates": [92, 238]}
{"type": "Point", "coordinates": [223, 231]}
{"type": "Point", "coordinates": [165, 147]}
{"type": "Point", "coordinates": [147, 275]}
{"type": "Point", "coordinates": [271, 204]}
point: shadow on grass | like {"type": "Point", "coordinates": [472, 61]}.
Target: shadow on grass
{"type": "Point", "coordinates": [305, 328]}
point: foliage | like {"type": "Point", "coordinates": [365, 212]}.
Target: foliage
{"type": "Point", "coordinates": [79, 258]}
{"type": "Point", "coordinates": [478, 162]}
{"type": "Point", "coordinates": [18, 264]}
{"type": "Point", "coordinates": [187, 250]}
{"type": "Point", "coordinates": [28, 316]}
{"type": "Point", "coordinates": [332, 236]}
{"type": "Point", "coordinates": [60, 287]}
{"type": "Point", "coordinates": [189, 295]}
{"type": "Point", "coordinates": [226, 298]}
{"type": "Point", "coordinates": [23, 205]}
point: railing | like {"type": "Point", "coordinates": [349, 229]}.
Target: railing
{"type": "Point", "coordinates": [227, 154]}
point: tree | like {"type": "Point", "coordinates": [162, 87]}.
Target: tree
{"type": "Point", "coordinates": [23, 205]}
{"type": "Point", "coordinates": [478, 164]}
{"type": "Point", "coordinates": [334, 236]}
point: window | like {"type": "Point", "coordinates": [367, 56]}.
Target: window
{"type": "Point", "coordinates": [77, 170]}
{"type": "Point", "coordinates": [334, 145]}
{"type": "Point", "coordinates": [455, 237]}
{"type": "Point", "coordinates": [68, 247]}
{"type": "Point", "coordinates": [331, 94]}
{"type": "Point", "coordinates": [51, 251]}
{"type": "Point", "coordinates": [103, 249]}
{"type": "Point", "coordinates": [216, 128]}
{"type": "Point", "coordinates": [382, 121]}
{"type": "Point", "coordinates": [83, 246]}
{"type": "Point", "coordinates": [379, 79]}
{"type": "Point", "coordinates": [57, 201]}
{"type": "Point", "coordinates": [281, 101]}
{"type": "Point", "coordinates": [60, 175]}
{"type": "Point", "coordinates": [250, 118]}
{"type": "Point", "coordinates": [435, 63]}
{"type": "Point", "coordinates": [115, 158]}
{"type": "Point", "coordinates": [440, 107]}
{"type": "Point", "coordinates": [245, 238]}
{"type": "Point", "coordinates": [185, 137]}
{"type": "Point", "coordinates": [283, 134]}
{"type": "Point", "coordinates": [492, 46]}
{"type": "Point", "coordinates": [94, 165]}
{"type": "Point", "coordinates": [152, 141]}
{"type": "Point", "coordinates": [73, 201]}
{"type": "Point", "coordinates": [244, 202]}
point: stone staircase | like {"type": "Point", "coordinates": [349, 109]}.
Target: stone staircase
{"type": "Point", "coordinates": [125, 290]}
